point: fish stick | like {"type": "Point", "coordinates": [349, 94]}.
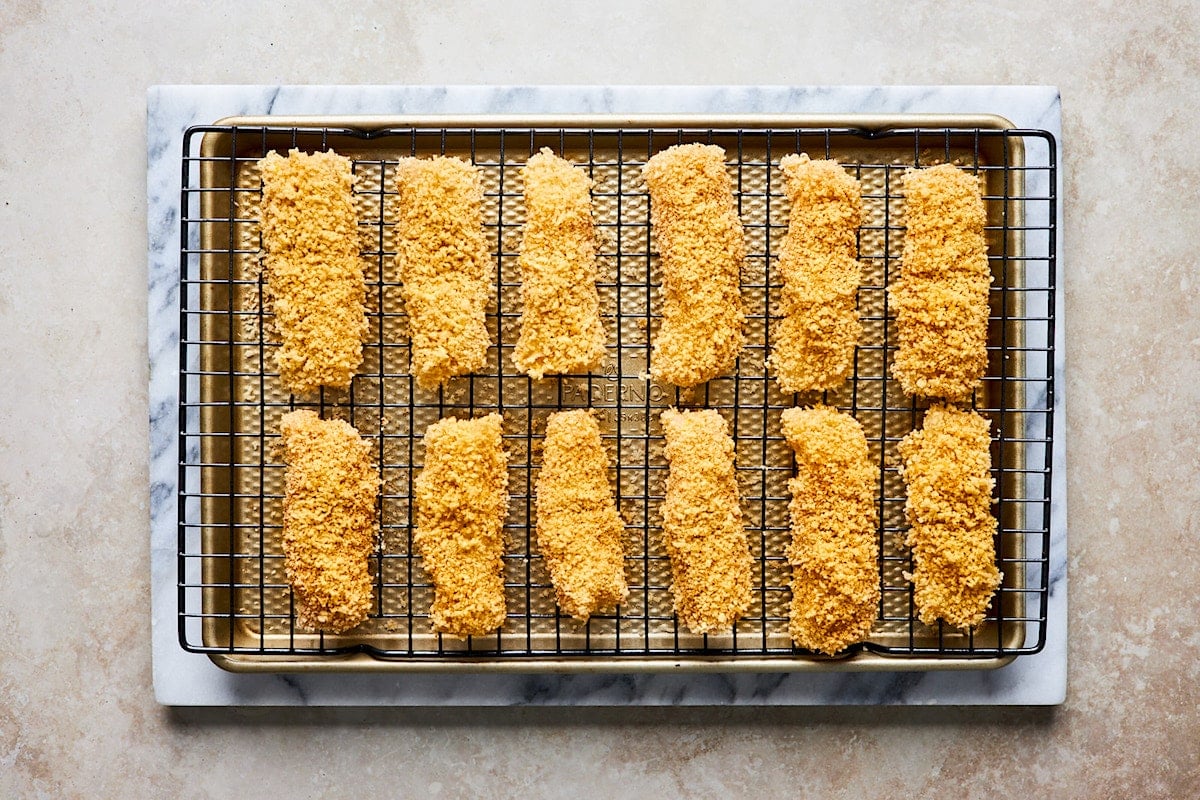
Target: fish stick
{"type": "Point", "coordinates": [941, 298]}
{"type": "Point", "coordinates": [703, 527]}
{"type": "Point", "coordinates": [578, 528]}
{"type": "Point", "coordinates": [814, 342]}
{"type": "Point", "coordinates": [947, 468]}
{"type": "Point", "coordinates": [561, 330]}
{"type": "Point", "coordinates": [699, 235]}
{"type": "Point", "coordinates": [834, 551]}
{"type": "Point", "coordinates": [313, 268]}
{"type": "Point", "coordinates": [443, 263]}
{"type": "Point", "coordinates": [328, 520]}
{"type": "Point", "coordinates": [462, 496]}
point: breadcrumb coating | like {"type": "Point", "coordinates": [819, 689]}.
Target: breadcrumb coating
{"type": "Point", "coordinates": [579, 531]}
{"type": "Point", "coordinates": [328, 520]}
{"type": "Point", "coordinates": [560, 319]}
{"type": "Point", "coordinates": [462, 499]}
{"type": "Point", "coordinates": [444, 266]}
{"type": "Point", "coordinates": [700, 239]}
{"type": "Point", "coordinates": [835, 550]}
{"type": "Point", "coordinates": [313, 268]}
{"type": "Point", "coordinates": [814, 342]}
{"type": "Point", "coordinates": [941, 298]}
{"type": "Point", "coordinates": [703, 527]}
{"type": "Point", "coordinates": [946, 465]}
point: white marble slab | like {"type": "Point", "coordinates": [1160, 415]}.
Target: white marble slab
{"type": "Point", "coordinates": [182, 678]}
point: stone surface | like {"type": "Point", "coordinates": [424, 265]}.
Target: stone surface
{"type": "Point", "coordinates": [181, 678]}
{"type": "Point", "coordinates": [77, 714]}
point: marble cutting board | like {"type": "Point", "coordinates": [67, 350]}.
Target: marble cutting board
{"type": "Point", "coordinates": [182, 678]}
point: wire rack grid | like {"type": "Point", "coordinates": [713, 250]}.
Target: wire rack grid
{"type": "Point", "coordinates": [232, 594]}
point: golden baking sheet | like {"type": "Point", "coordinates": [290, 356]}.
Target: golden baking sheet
{"type": "Point", "coordinates": [232, 393]}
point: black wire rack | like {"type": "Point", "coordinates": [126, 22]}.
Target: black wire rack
{"type": "Point", "coordinates": [233, 598]}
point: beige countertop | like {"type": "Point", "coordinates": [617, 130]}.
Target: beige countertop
{"type": "Point", "coordinates": [77, 713]}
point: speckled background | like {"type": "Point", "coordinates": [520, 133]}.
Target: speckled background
{"type": "Point", "coordinates": [77, 715]}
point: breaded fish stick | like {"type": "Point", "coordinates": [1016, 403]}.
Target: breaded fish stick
{"type": "Point", "coordinates": [814, 342]}
{"type": "Point", "coordinates": [579, 531]}
{"type": "Point", "coordinates": [946, 466]}
{"type": "Point", "coordinates": [834, 551]}
{"type": "Point", "coordinates": [941, 299]}
{"type": "Point", "coordinates": [703, 528]}
{"type": "Point", "coordinates": [313, 269]}
{"type": "Point", "coordinates": [442, 258]}
{"type": "Point", "coordinates": [700, 239]}
{"type": "Point", "coordinates": [462, 497]}
{"type": "Point", "coordinates": [328, 520]}
{"type": "Point", "coordinates": [560, 322]}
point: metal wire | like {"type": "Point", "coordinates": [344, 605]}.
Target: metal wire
{"type": "Point", "coordinates": [232, 596]}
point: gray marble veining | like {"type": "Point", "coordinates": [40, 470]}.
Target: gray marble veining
{"type": "Point", "coordinates": [181, 678]}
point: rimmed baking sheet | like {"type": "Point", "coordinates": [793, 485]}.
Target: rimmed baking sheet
{"type": "Point", "coordinates": [234, 602]}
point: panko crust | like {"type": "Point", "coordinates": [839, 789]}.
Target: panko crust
{"type": "Point", "coordinates": [330, 488]}
{"type": "Point", "coordinates": [700, 239]}
{"type": "Point", "coordinates": [947, 468]}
